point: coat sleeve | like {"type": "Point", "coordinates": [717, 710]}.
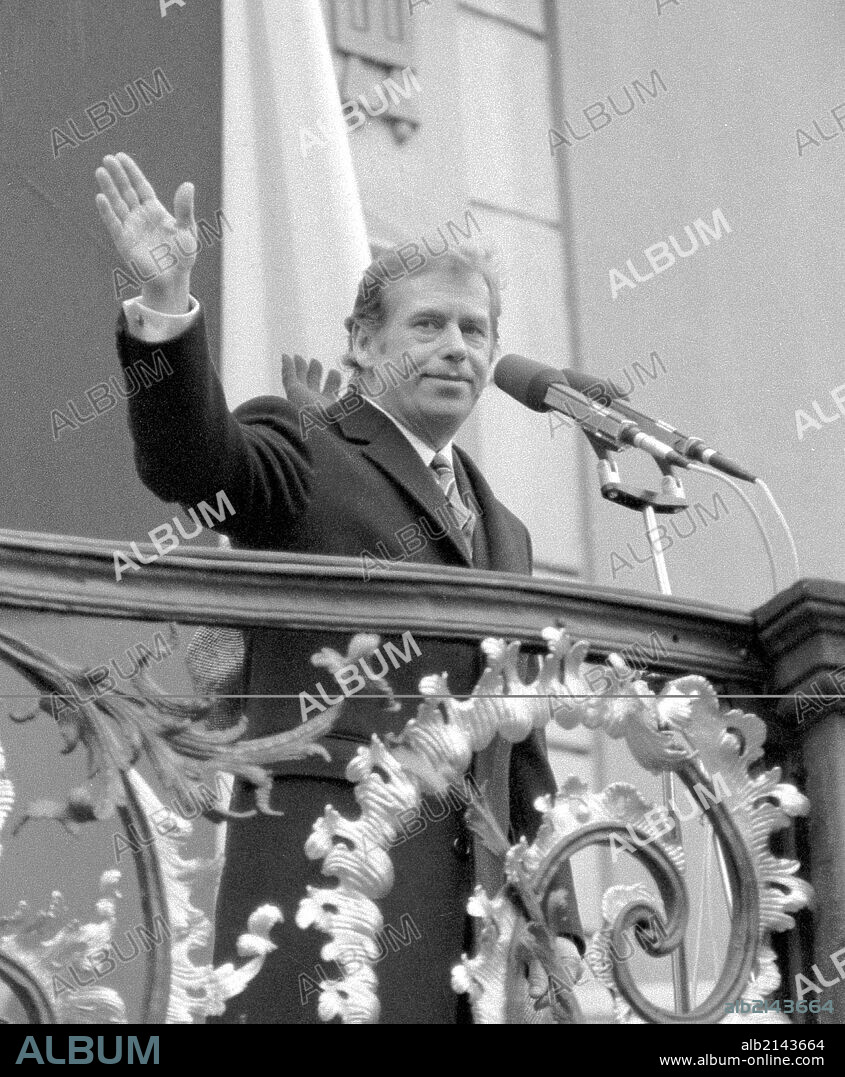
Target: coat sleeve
{"type": "Point", "coordinates": [189, 446]}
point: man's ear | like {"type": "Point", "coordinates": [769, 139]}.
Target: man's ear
{"type": "Point", "coordinates": [495, 356]}
{"type": "Point", "coordinates": [362, 346]}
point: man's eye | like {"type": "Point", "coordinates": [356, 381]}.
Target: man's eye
{"type": "Point", "coordinates": [426, 323]}
{"type": "Point", "coordinates": [475, 331]}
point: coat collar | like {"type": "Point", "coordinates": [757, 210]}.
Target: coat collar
{"type": "Point", "coordinates": [388, 448]}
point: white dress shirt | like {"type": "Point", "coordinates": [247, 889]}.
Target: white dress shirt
{"type": "Point", "coordinates": [425, 452]}
{"type": "Point", "coordinates": [152, 326]}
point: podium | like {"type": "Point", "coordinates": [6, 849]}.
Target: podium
{"type": "Point", "coordinates": [62, 610]}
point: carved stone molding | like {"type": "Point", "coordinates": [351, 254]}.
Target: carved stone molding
{"type": "Point", "coordinates": [374, 41]}
{"type": "Point", "coordinates": [802, 637]}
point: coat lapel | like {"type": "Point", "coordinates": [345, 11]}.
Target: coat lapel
{"type": "Point", "coordinates": [387, 447]}
{"type": "Point", "coordinates": [505, 538]}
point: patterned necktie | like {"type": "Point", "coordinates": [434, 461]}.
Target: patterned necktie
{"type": "Point", "coordinates": [462, 514]}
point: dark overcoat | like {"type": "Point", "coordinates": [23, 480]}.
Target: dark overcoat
{"type": "Point", "coordinates": [353, 487]}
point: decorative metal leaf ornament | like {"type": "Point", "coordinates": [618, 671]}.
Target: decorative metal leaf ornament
{"type": "Point", "coordinates": [117, 729]}
{"type": "Point", "coordinates": [681, 729]}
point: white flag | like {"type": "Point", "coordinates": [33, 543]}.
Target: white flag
{"type": "Point", "coordinates": [298, 242]}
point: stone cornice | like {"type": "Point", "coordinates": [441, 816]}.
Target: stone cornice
{"type": "Point", "coordinates": [801, 634]}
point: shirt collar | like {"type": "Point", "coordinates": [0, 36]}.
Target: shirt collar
{"type": "Point", "coordinates": [424, 451]}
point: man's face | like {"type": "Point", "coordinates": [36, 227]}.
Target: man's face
{"type": "Point", "coordinates": [441, 320]}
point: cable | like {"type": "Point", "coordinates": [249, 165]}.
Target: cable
{"type": "Point", "coordinates": [793, 548]}
{"type": "Point", "coordinates": [754, 514]}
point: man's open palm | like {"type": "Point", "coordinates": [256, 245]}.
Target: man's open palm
{"type": "Point", "coordinates": [303, 382]}
{"type": "Point", "coordinates": [152, 242]}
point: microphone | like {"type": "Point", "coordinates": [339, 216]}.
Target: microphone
{"type": "Point", "coordinates": [541, 388]}
{"type": "Point", "coordinates": [532, 378]}
{"type": "Point", "coordinates": [691, 447]}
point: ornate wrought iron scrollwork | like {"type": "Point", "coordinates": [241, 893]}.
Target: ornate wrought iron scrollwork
{"type": "Point", "coordinates": [681, 729]}
{"type": "Point", "coordinates": [117, 730]}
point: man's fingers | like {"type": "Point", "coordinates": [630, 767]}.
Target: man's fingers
{"type": "Point", "coordinates": [334, 381]}
{"type": "Point", "coordinates": [121, 181]}
{"type": "Point", "coordinates": [109, 218]}
{"type": "Point", "coordinates": [183, 206]}
{"type": "Point", "coordinates": [314, 375]}
{"type": "Point", "coordinates": [299, 374]}
{"type": "Point", "coordinates": [143, 187]}
{"type": "Point", "coordinates": [288, 375]}
{"type": "Point", "coordinates": [291, 377]}
{"type": "Point", "coordinates": [301, 369]}
{"type": "Point", "coordinates": [115, 199]}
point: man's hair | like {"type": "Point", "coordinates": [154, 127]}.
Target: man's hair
{"type": "Point", "coordinates": [370, 309]}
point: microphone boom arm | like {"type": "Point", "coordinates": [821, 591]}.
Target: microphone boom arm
{"type": "Point", "coordinates": [669, 499]}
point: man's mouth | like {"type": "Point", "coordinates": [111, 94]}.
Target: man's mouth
{"type": "Point", "coordinates": [458, 378]}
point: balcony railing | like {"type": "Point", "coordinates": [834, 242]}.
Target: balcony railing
{"type": "Point", "coordinates": [114, 720]}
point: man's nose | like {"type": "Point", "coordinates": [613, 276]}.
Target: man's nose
{"type": "Point", "coordinates": [453, 345]}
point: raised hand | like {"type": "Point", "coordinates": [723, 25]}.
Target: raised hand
{"type": "Point", "coordinates": [303, 382]}
{"type": "Point", "coordinates": [157, 247]}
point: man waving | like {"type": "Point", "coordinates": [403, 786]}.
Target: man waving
{"type": "Point", "coordinates": [382, 480]}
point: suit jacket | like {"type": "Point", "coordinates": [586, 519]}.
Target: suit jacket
{"type": "Point", "coordinates": [355, 488]}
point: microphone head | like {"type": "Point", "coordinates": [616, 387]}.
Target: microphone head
{"type": "Point", "coordinates": [527, 381]}
{"type": "Point", "coordinates": [602, 390]}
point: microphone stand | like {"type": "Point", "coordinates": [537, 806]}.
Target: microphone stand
{"type": "Point", "coordinates": [669, 499]}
